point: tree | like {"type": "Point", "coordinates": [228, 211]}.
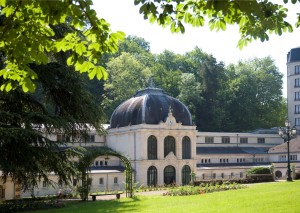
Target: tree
{"type": "Point", "coordinates": [256, 19]}
{"type": "Point", "coordinates": [28, 36]}
{"type": "Point", "coordinates": [256, 95]}
{"type": "Point", "coordinates": [60, 105]}
{"type": "Point", "coordinates": [211, 113]}
{"type": "Point", "coordinates": [190, 92]}
{"type": "Point", "coordinates": [127, 75]}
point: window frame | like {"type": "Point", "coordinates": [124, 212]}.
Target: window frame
{"type": "Point", "coordinates": [297, 96]}
{"type": "Point", "coordinates": [169, 145]}
{"type": "Point", "coordinates": [209, 139]}
{"type": "Point", "coordinates": [152, 147]}
{"type": "Point", "coordinates": [297, 69]}
{"type": "Point", "coordinates": [225, 139]}
{"type": "Point", "coordinates": [297, 109]}
{"type": "Point", "coordinates": [261, 140]}
{"type": "Point", "coordinates": [297, 83]}
{"type": "Point", "coordinates": [243, 140]}
{"type": "Point", "coordinates": [186, 148]}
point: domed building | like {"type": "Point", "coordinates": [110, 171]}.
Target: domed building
{"type": "Point", "coordinates": [156, 133]}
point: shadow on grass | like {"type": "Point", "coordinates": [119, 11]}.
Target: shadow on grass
{"type": "Point", "coordinates": [122, 205]}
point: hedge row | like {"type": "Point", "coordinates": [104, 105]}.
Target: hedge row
{"type": "Point", "coordinates": [28, 205]}
{"type": "Point", "coordinates": [257, 178]}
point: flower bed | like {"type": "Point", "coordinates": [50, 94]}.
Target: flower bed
{"type": "Point", "coordinates": [202, 189]}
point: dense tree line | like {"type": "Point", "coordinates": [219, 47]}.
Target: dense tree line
{"type": "Point", "coordinates": [237, 97]}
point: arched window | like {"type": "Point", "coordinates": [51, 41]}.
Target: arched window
{"type": "Point", "coordinates": [186, 175]}
{"type": "Point", "coordinates": [152, 176]}
{"type": "Point", "coordinates": [169, 145]}
{"type": "Point", "coordinates": [169, 175]}
{"type": "Point", "coordinates": [152, 148]}
{"type": "Point", "coordinates": [186, 147]}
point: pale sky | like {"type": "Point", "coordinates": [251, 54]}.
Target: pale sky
{"type": "Point", "coordinates": [124, 16]}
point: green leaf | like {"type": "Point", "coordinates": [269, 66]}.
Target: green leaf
{"type": "Point", "coordinates": [7, 11]}
{"type": "Point", "coordinates": [8, 87]}
{"type": "Point", "coordinates": [80, 48]}
{"type": "Point", "coordinates": [3, 3]}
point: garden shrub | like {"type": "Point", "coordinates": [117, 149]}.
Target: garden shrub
{"type": "Point", "coordinates": [297, 176]}
{"type": "Point", "coordinates": [259, 170]}
{"type": "Point", "coordinates": [28, 205]}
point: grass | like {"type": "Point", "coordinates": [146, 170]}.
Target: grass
{"type": "Point", "coordinates": [265, 197]}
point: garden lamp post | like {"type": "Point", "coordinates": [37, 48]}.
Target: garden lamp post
{"type": "Point", "coordinates": [288, 133]}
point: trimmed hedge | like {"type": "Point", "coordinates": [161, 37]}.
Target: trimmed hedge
{"type": "Point", "coordinates": [27, 205]}
{"type": "Point", "coordinates": [297, 176]}
{"type": "Point", "coordinates": [258, 178]}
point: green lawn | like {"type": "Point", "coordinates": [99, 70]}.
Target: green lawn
{"type": "Point", "coordinates": [266, 197]}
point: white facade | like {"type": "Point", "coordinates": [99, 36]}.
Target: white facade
{"type": "Point", "coordinates": [293, 86]}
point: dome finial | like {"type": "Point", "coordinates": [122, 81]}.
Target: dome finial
{"type": "Point", "coordinates": [151, 82]}
{"type": "Point", "coordinates": [170, 111]}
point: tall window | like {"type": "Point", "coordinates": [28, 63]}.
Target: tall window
{"type": "Point", "coordinates": [225, 139]}
{"type": "Point", "coordinates": [297, 82]}
{"type": "Point", "coordinates": [152, 176]}
{"type": "Point", "coordinates": [2, 192]}
{"type": "Point", "coordinates": [297, 69]}
{"type": "Point", "coordinates": [152, 148]}
{"type": "Point", "coordinates": [297, 121]}
{"type": "Point", "coordinates": [297, 96]}
{"type": "Point", "coordinates": [169, 145]}
{"type": "Point", "coordinates": [261, 140]}
{"type": "Point", "coordinates": [297, 109]}
{"type": "Point", "coordinates": [209, 139]}
{"type": "Point", "coordinates": [169, 175]}
{"type": "Point", "coordinates": [186, 175]}
{"type": "Point", "coordinates": [243, 140]}
{"type": "Point", "coordinates": [91, 138]}
{"type": "Point", "coordinates": [101, 181]}
{"type": "Point", "coordinates": [115, 180]}
{"type": "Point", "coordinates": [186, 147]}
{"type": "Point", "coordinates": [74, 182]}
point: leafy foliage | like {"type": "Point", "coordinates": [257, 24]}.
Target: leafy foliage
{"type": "Point", "coordinates": [259, 170]}
{"type": "Point", "coordinates": [28, 35]}
{"type": "Point", "coordinates": [60, 105]}
{"type": "Point", "coordinates": [256, 19]}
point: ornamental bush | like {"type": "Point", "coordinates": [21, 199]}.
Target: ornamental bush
{"type": "Point", "coordinates": [259, 170]}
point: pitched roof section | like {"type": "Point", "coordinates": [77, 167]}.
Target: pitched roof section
{"type": "Point", "coordinates": [282, 148]}
{"type": "Point", "coordinates": [293, 55]}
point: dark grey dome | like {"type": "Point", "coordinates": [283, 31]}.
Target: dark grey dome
{"type": "Point", "coordinates": [149, 106]}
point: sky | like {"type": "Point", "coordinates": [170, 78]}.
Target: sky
{"type": "Point", "coordinates": [124, 16]}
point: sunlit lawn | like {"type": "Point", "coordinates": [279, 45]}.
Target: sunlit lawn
{"type": "Point", "coordinates": [266, 197]}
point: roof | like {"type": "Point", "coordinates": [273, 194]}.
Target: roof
{"type": "Point", "coordinates": [282, 148]}
{"type": "Point", "coordinates": [293, 55]}
{"type": "Point", "coordinates": [231, 150]}
{"type": "Point", "coordinates": [149, 106]}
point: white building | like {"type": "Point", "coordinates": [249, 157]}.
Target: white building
{"type": "Point", "coordinates": [155, 132]}
{"type": "Point", "coordinates": [293, 86]}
